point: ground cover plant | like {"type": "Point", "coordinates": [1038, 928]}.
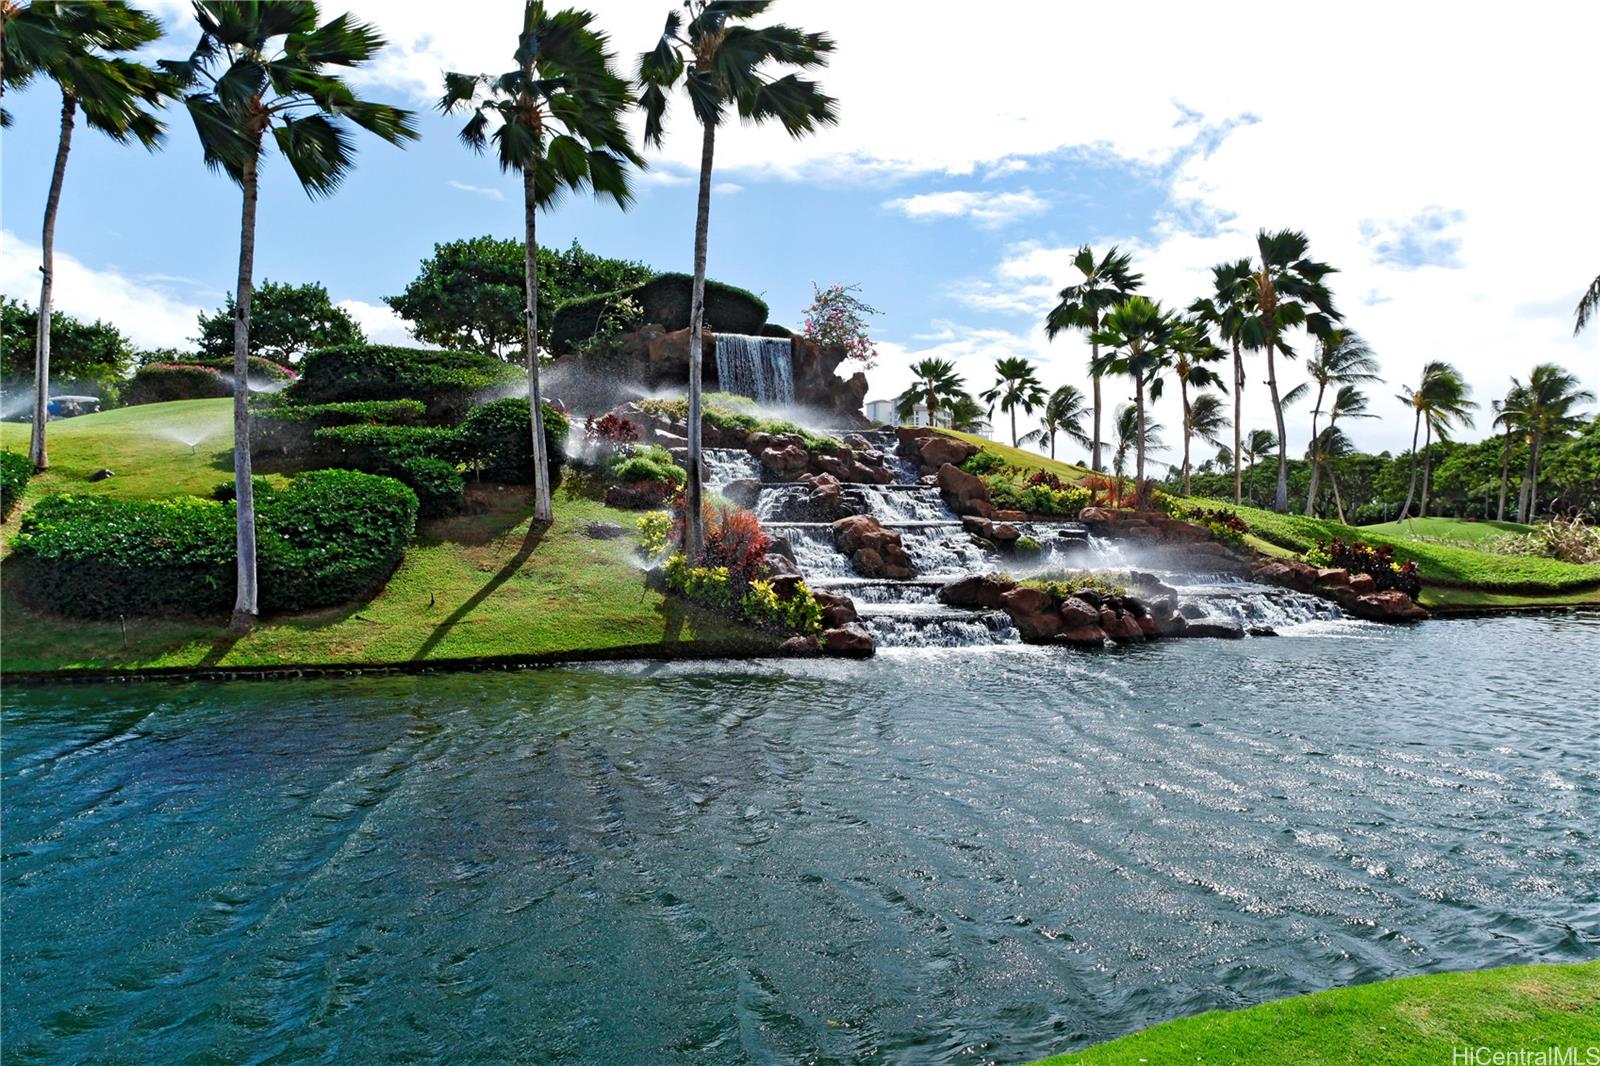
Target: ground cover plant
{"type": "Point", "coordinates": [728, 411]}
{"type": "Point", "coordinates": [15, 473]}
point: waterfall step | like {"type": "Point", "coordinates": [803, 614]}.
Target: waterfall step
{"type": "Point", "coordinates": [885, 525]}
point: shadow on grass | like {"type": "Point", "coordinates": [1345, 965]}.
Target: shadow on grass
{"type": "Point", "coordinates": [530, 543]}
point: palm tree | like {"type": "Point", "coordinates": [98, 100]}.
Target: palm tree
{"type": "Point", "coordinates": [1288, 292]}
{"type": "Point", "coordinates": [1063, 413]}
{"type": "Point", "coordinates": [721, 65]}
{"type": "Point", "coordinates": [1441, 399]}
{"type": "Point", "coordinates": [1106, 283]}
{"type": "Point", "coordinates": [75, 45]}
{"type": "Point", "coordinates": [556, 119]}
{"type": "Point", "coordinates": [1507, 413]}
{"type": "Point", "coordinates": [1141, 334]}
{"type": "Point", "coordinates": [1257, 442]}
{"type": "Point", "coordinates": [1016, 385]}
{"type": "Point", "coordinates": [1545, 409]}
{"type": "Point", "coordinates": [1192, 349]}
{"type": "Point", "coordinates": [967, 414]}
{"type": "Point", "coordinates": [260, 67]}
{"type": "Point", "coordinates": [1348, 402]}
{"type": "Point", "coordinates": [1587, 307]}
{"type": "Point", "coordinates": [1135, 433]}
{"type": "Point", "coordinates": [935, 384]}
{"type": "Point", "coordinates": [1342, 357]}
{"type": "Point", "coordinates": [1207, 419]}
{"type": "Point", "coordinates": [1224, 311]}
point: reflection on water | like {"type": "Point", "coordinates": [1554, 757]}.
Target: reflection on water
{"type": "Point", "coordinates": [939, 856]}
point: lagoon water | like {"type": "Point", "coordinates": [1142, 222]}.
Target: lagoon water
{"type": "Point", "coordinates": [942, 855]}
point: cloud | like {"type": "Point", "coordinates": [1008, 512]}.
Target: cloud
{"type": "Point", "coordinates": [1422, 240]}
{"type": "Point", "coordinates": [378, 322]}
{"type": "Point", "coordinates": [727, 188]}
{"type": "Point", "coordinates": [985, 209]}
{"type": "Point", "coordinates": [492, 194]}
{"type": "Point", "coordinates": [661, 176]}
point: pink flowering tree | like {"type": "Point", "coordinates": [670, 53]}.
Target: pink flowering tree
{"type": "Point", "coordinates": [838, 315]}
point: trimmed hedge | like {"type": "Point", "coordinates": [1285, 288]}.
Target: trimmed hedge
{"type": "Point", "coordinates": [329, 537]}
{"type": "Point", "coordinates": [15, 473]}
{"type": "Point", "coordinates": [423, 457]}
{"type": "Point", "coordinates": [164, 382]}
{"type": "Point", "coordinates": [259, 368]}
{"type": "Point", "coordinates": [447, 382]}
{"type": "Point", "coordinates": [665, 299]}
{"type": "Point", "coordinates": [289, 429]}
{"type": "Point", "coordinates": [497, 440]}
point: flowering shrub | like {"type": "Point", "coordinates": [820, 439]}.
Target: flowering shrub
{"type": "Point", "coordinates": [1009, 490]}
{"type": "Point", "coordinates": [1220, 522]}
{"type": "Point", "coordinates": [710, 585]}
{"type": "Point", "coordinates": [1109, 492]}
{"type": "Point", "coordinates": [757, 600]}
{"type": "Point", "coordinates": [1377, 560]}
{"type": "Point", "coordinates": [735, 539]}
{"type": "Point", "coordinates": [838, 316]}
{"type": "Point", "coordinates": [1047, 479]}
{"type": "Point", "coordinates": [609, 430]}
{"type": "Point", "coordinates": [655, 532]}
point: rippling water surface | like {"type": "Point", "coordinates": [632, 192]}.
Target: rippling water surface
{"type": "Point", "coordinates": [939, 856]}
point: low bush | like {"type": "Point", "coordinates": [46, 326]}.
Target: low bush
{"type": "Point", "coordinates": [423, 457]}
{"type": "Point", "coordinates": [610, 430]}
{"type": "Point", "coordinates": [1379, 561]}
{"type": "Point", "coordinates": [649, 463]}
{"type": "Point", "coordinates": [757, 600]}
{"type": "Point", "coordinates": [655, 533]}
{"type": "Point", "coordinates": [15, 473]}
{"type": "Point", "coordinates": [261, 369]}
{"type": "Point", "coordinates": [227, 491]}
{"type": "Point", "coordinates": [662, 300]}
{"type": "Point", "coordinates": [497, 440]}
{"type": "Point", "coordinates": [983, 462]}
{"type": "Point", "coordinates": [1011, 490]}
{"type": "Point", "coordinates": [289, 429]}
{"type": "Point", "coordinates": [1221, 523]}
{"type": "Point", "coordinates": [330, 536]}
{"type": "Point", "coordinates": [728, 411]}
{"type": "Point", "coordinates": [1061, 584]}
{"type": "Point", "coordinates": [165, 382]}
{"type": "Point", "coordinates": [447, 382]}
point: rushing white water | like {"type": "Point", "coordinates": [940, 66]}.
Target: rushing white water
{"type": "Point", "coordinates": [729, 464]}
{"type": "Point", "coordinates": [759, 367]}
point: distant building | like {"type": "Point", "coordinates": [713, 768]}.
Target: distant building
{"type": "Point", "coordinates": [884, 411]}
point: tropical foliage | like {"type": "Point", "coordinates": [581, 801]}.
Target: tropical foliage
{"type": "Point", "coordinates": [1106, 281]}
{"type": "Point", "coordinates": [286, 322]}
{"type": "Point", "coordinates": [838, 316]}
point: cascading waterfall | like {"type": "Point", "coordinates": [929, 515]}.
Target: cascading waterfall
{"type": "Point", "coordinates": [759, 367]}
{"type": "Point", "coordinates": [724, 465]}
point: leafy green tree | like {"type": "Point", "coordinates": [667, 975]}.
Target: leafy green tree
{"type": "Point", "coordinates": [1574, 469]}
{"type": "Point", "coordinates": [1016, 385]}
{"type": "Point", "coordinates": [472, 293]}
{"type": "Point", "coordinates": [1141, 334]}
{"type": "Point", "coordinates": [1342, 357]}
{"type": "Point", "coordinates": [80, 47]}
{"type": "Point", "coordinates": [1192, 351]}
{"type": "Point", "coordinates": [1288, 292]}
{"type": "Point", "coordinates": [86, 356]}
{"type": "Point", "coordinates": [1232, 287]}
{"type": "Point", "coordinates": [286, 322]}
{"type": "Point", "coordinates": [1063, 413]}
{"type": "Point", "coordinates": [556, 119]}
{"type": "Point", "coordinates": [725, 65]}
{"type": "Point", "coordinates": [1107, 281]}
{"type": "Point", "coordinates": [1440, 400]}
{"type": "Point", "coordinates": [268, 66]}
{"type": "Point", "coordinates": [1546, 409]}
{"type": "Point", "coordinates": [935, 385]}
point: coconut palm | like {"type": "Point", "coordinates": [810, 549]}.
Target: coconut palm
{"type": "Point", "coordinates": [556, 119]}
{"type": "Point", "coordinates": [76, 45]}
{"type": "Point", "coordinates": [1063, 413]}
{"type": "Point", "coordinates": [724, 65]}
{"type": "Point", "coordinates": [935, 385]}
{"type": "Point", "coordinates": [1130, 437]}
{"type": "Point", "coordinates": [1288, 291]}
{"type": "Point", "coordinates": [1341, 357]}
{"type": "Point", "coordinates": [1208, 420]}
{"type": "Point", "coordinates": [1507, 415]}
{"type": "Point", "coordinates": [1107, 281]}
{"type": "Point", "coordinates": [1544, 408]}
{"type": "Point", "coordinates": [1224, 310]}
{"type": "Point", "coordinates": [1441, 399]}
{"type": "Point", "coordinates": [1588, 307]}
{"type": "Point", "coordinates": [1192, 349]}
{"type": "Point", "coordinates": [1141, 336]}
{"type": "Point", "coordinates": [259, 67]}
{"type": "Point", "coordinates": [1257, 442]}
{"type": "Point", "coordinates": [967, 414]}
{"type": "Point", "coordinates": [1016, 385]}
{"type": "Point", "coordinates": [1332, 442]}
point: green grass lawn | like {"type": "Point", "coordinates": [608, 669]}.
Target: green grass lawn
{"type": "Point", "coordinates": [472, 586]}
{"type": "Point", "coordinates": [1024, 459]}
{"type": "Point", "coordinates": [1412, 1021]}
{"type": "Point", "coordinates": [1456, 530]}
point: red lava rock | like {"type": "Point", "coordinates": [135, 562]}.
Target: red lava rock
{"type": "Point", "coordinates": [1077, 614]}
{"type": "Point", "coordinates": [1332, 578]}
{"type": "Point", "coordinates": [1363, 584]}
{"type": "Point", "coordinates": [963, 491]}
{"type": "Point", "coordinates": [849, 641]}
{"type": "Point", "coordinates": [937, 450]}
{"type": "Point", "coordinates": [1034, 613]}
{"type": "Point", "coordinates": [1390, 606]}
{"type": "Point", "coordinates": [800, 648]}
{"type": "Point", "coordinates": [786, 461]}
{"type": "Point", "coordinates": [1081, 637]}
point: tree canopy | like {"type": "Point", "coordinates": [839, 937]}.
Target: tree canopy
{"type": "Point", "coordinates": [83, 355]}
{"type": "Point", "coordinates": [286, 322]}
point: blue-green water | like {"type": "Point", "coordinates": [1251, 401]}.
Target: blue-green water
{"type": "Point", "coordinates": [941, 856]}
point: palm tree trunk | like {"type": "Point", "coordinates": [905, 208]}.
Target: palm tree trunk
{"type": "Point", "coordinates": [694, 533]}
{"type": "Point", "coordinates": [1138, 466]}
{"type": "Point", "coordinates": [543, 510]}
{"type": "Point", "coordinates": [37, 452]}
{"type": "Point", "coordinates": [1527, 478]}
{"type": "Point", "coordinates": [1238, 393]}
{"type": "Point", "coordinates": [1188, 428]}
{"type": "Point", "coordinates": [1013, 425]}
{"type": "Point", "coordinates": [1281, 497]}
{"type": "Point", "coordinates": [246, 603]}
{"type": "Point", "coordinates": [1316, 453]}
{"type": "Point", "coordinates": [1427, 469]}
{"type": "Point", "coordinates": [1052, 445]}
{"type": "Point", "coordinates": [1505, 475]}
{"type": "Point", "coordinates": [1094, 380]}
{"type": "Point", "coordinates": [1333, 480]}
{"type": "Point", "coordinates": [1533, 483]}
{"type": "Point", "coordinates": [1416, 430]}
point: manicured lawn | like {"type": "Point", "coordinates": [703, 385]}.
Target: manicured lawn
{"type": "Point", "coordinates": [1456, 530]}
{"type": "Point", "coordinates": [1022, 458]}
{"type": "Point", "coordinates": [1413, 1021]}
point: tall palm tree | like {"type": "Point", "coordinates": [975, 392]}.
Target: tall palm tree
{"type": "Point", "coordinates": [1016, 385]}
{"type": "Point", "coordinates": [1192, 349]}
{"type": "Point", "coordinates": [1257, 442]}
{"type": "Point", "coordinates": [1207, 419]}
{"type": "Point", "coordinates": [1063, 413]}
{"type": "Point", "coordinates": [1341, 357]}
{"type": "Point", "coordinates": [1135, 433]}
{"type": "Point", "coordinates": [1441, 399]}
{"type": "Point", "coordinates": [76, 45]}
{"type": "Point", "coordinates": [724, 65]}
{"type": "Point", "coordinates": [1545, 409]}
{"type": "Point", "coordinates": [1224, 310]}
{"type": "Point", "coordinates": [1141, 334]}
{"type": "Point", "coordinates": [967, 414]}
{"type": "Point", "coordinates": [1107, 281]}
{"type": "Point", "coordinates": [935, 385]}
{"type": "Point", "coordinates": [1588, 307]}
{"type": "Point", "coordinates": [1332, 442]}
{"type": "Point", "coordinates": [1507, 415]}
{"type": "Point", "coordinates": [264, 66]}
{"type": "Point", "coordinates": [1288, 292]}
{"type": "Point", "coordinates": [556, 119]}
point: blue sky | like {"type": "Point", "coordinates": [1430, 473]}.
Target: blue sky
{"type": "Point", "coordinates": [954, 201]}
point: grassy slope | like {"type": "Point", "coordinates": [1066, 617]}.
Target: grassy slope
{"type": "Point", "coordinates": [1022, 458]}
{"type": "Point", "coordinates": [1456, 530]}
{"type": "Point", "coordinates": [1413, 1020]}
{"type": "Point", "coordinates": [475, 585]}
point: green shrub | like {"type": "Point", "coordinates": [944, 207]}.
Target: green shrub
{"type": "Point", "coordinates": [497, 439]}
{"type": "Point", "coordinates": [649, 463]}
{"type": "Point", "coordinates": [226, 491]}
{"type": "Point", "coordinates": [983, 462]}
{"type": "Point", "coordinates": [663, 300]}
{"type": "Point", "coordinates": [447, 382]}
{"type": "Point", "coordinates": [289, 429]}
{"type": "Point", "coordinates": [1010, 491]}
{"type": "Point", "coordinates": [655, 531]}
{"type": "Point", "coordinates": [800, 613]}
{"type": "Point", "coordinates": [439, 487]}
{"type": "Point", "coordinates": [15, 473]}
{"type": "Point", "coordinates": [422, 457]}
{"type": "Point", "coordinates": [260, 368]}
{"type": "Point", "coordinates": [330, 536]}
{"type": "Point", "coordinates": [1063, 583]}
{"type": "Point", "coordinates": [165, 382]}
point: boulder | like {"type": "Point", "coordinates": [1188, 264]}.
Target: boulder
{"type": "Point", "coordinates": [1108, 619]}
{"type": "Point", "coordinates": [977, 525]}
{"type": "Point", "coordinates": [963, 492]}
{"type": "Point", "coordinates": [1332, 578]}
{"type": "Point", "coordinates": [1091, 636]}
{"type": "Point", "coordinates": [779, 565]}
{"type": "Point", "coordinates": [1363, 584]}
{"type": "Point", "coordinates": [1004, 534]}
{"type": "Point", "coordinates": [800, 648]}
{"type": "Point", "coordinates": [742, 491]}
{"type": "Point", "coordinates": [875, 551]}
{"type": "Point", "coordinates": [603, 531]}
{"type": "Point", "coordinates": [1034, 613]}
{"type": "Point", "coordinates": [785, 461]}
{"type": "Point", "coordinates": [1223, 630]}
{"type": "Point", "coordinates": [979, 590]}
{"type": "Point", "coordinates": [937, 450]}
{"type": "Point", "coordinates": [849, 641]}
{"type": "Point", "coordinates": [1075, 613]}
{"type": "Point", "coordinates": [638, 495]}
{"type": "Point", "coordinates": [837, 609]}
{"type": "Point", "coordinates": [1390, 606]}
{"type": "Point", "coordinates": [1128, 628]}
{"type": "Point", "coordinates": [1011, 516]}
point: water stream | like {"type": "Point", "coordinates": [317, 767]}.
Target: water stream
{"type": "Point", "coordinates": [759, 367]}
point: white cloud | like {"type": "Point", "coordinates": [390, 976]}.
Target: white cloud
{"type": "Point", "coordinates": [661, 176]}
{"type": "Point", "coordinates": [378, 322]}
{"type": "Point", "coordinates": [727, 188]}
{"type": "Point", "coordinates": [488, 193]}
{"type": "Point", "coordinates": [989, 210]}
